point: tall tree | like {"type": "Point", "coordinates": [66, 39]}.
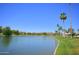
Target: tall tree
{"type": "Point", "coordinates": [63, 17]}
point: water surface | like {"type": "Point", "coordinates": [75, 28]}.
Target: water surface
{"type": "Point", "coordinates": [27, 45]}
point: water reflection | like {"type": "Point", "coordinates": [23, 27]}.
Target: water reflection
{"type": "Point", "coordinates": [6, 40]}
{"type": "Point", "coordinates": [27, 45]}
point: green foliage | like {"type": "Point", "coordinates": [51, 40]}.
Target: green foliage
{"type": "Point", "coordinates": [0, 29]}
{"type": "Point", "coordinates": [29, 33]}
{"type": "Point", "coordinates": [44, 33]}
{"type": "Point", "coordinates": [63, 16]}
{"type": "Point", "coordinates": [15, 32]}
{"type": "Point", "coordinates": [59, 29]}
{"type": "Point", "coordinates": [7, 31]}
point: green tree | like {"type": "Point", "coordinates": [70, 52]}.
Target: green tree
{"type": "Point", "coordinates": [0, 29]}
{"type": "Point", "coordinates": [17, 32]}
{"type": "Point", "coordinates": [63, 17]}
{"type": "Point", "coordinates": [44, 33]}
{"type": "Point", "coordinates": [29, 33]}
{"type": "Point", "coordinates": [7, 31]}
{"type": "Point", "coordinates": [59, 28]}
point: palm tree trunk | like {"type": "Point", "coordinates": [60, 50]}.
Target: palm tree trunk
{"type": "Point", "coordinates": [63, 28]}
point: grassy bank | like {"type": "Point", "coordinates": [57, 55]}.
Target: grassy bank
{"type": "Point", "coordinates": [67, 46]}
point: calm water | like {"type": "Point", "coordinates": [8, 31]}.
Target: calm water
{"type": "Point", "coordinates": [27, 45]}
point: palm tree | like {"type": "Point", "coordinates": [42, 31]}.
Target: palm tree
{"type": "Point", "coordinates": [59, 28]}
{"type": "Point", "coordinates": [63, 17]}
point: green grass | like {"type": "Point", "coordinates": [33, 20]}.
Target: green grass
{"type": "Point", "coordinates": [67, 46]}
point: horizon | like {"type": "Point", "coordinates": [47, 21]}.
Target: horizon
{"type": "Point", "coordinates": [37, 17]}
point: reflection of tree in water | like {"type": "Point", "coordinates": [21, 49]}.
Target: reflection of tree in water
{"type": "Point", "coordinates": [6, 40]}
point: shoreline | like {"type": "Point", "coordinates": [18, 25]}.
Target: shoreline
{"type": "Point", "coordinates": [56, 47]}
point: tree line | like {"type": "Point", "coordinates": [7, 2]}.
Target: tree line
{"type": "Point", "coordinates": [7, 31]}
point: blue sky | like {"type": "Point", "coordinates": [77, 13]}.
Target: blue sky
{"type": "Point", "coordinates": [37, 17]}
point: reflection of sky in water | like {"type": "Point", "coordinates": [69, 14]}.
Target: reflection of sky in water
{"type": "Point", "coordinates": [27, 45]}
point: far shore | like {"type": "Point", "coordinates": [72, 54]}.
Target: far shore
{"type": "Point", "coordinates": [26, 35]}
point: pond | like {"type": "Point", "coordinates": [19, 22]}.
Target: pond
{"type": "Point", "coordinates": [27, 45]}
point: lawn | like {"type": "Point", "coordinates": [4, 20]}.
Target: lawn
{"type": "Point", "coordinates": [67, 46]}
